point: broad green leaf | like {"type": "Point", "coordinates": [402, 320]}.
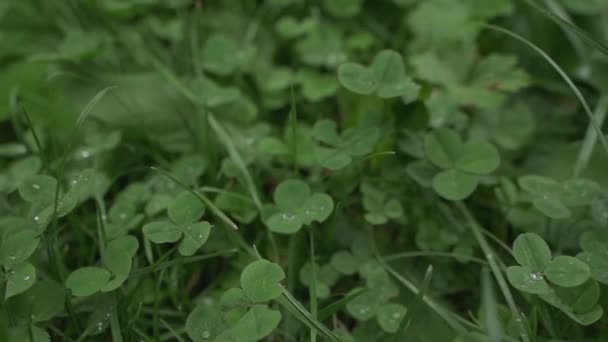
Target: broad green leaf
{"type": "Point", "coordinates": [162, 232]}
{"type": "Point", "coordinates": [443, 147]}
{"type": "Point", "coordinates": [454, 185]}
{"type": "Point", "coordinates": [525, 279]}
{"type": "Point", "coordinates": [532, 251]}
{"type": "Point", "coordinates": [195, 235]}
{"type": "Point", "coordinates": [326, 131]}
{"type": "Point", "coordinates": [259, 322]}
{"type": "Point", "coordinates": [234, 298]}
{"type": "Point", "coordinates": [581, 298]}
{"type": "Point", "coordinates": [390, 316]}
{"type": "Point", "coordinates": [38, 189]}
{"type": "Point", "coordinates": [552, 207]}
{"type": "Point", "coordinates": [43, 301]}
{"type": "Point", "coordinates": [17, 247]}
{"type": "Point", "coordinates": [389, 71]}
{"type": "Point", "coordinates": [422, 172]}
{"type": "Point", "coordinates": [22, 334]}
{"type": "Point", "coordinates": [344, 262]}
{"type": "Point", "coordinates": [357, 78]}
{"type": "Point", "coordinates": [541, 186]}
{"type": "Point", "coordinates": [19, 279]}
{"type": "Point", "coordinates": [87, 281]}
{"type": "Point", "coordinates": [260, 281]}
{"type": "Point", "coordinates": [318, 207]}
{"type": "Point", "coordinates": [580, 192]}
{"type": "Point", "coordinates": [284, 223]}
{"type": "Point", "coordinates": [219, 54]}
{"type": "Point", "coordinates": [185, 209]}
{"type": "Point", "coordinates": [365, 306]}
{"type": "Point", "coordinates": [204, 324]}
{"type": "Point", "coordinates": [598, 264]}
{"type": "Point", "coordinates": [567, 271]}
{"type": "Point", "coordinates": [477, 157]}
{"type": "Point", "coordinates": [291, 194]}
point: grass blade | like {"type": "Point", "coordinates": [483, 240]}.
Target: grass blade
{"type": "Point", "coordinates": [288, 301]}
{"type": "Point", "coordinates": [414, 306]}
{"type": "Point", "coordinates": [563, 75]}
{"type": "Point", "coordinates": [313, 285]}
{"type": "Point", "coordinates": [591, 138]}
{"type": "Point", "coordinates": [603, 48]}
{"type": "Point", "coordinates": [334, 307]}
{"type": "Point", "coordinates": [490, 307]}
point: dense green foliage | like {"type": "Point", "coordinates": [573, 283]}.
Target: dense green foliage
{"type": "Point", "coordinates": [303, 170]}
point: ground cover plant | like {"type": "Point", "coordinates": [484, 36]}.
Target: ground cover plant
{"type": "Point", "coordinates": [303, 170]}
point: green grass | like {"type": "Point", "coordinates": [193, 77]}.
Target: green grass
{"type": "Point", "coordinates": [290, 170]}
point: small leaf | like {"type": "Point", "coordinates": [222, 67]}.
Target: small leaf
{"type": "Point", "coordinates": [260, 280]}
{"type": "Point", "coordinates": [454, 185]}
{"type": "Point", "coordinates": [389, 71]}
{"type": "Point", "coordinates": [443, 147]}
{"type": "Point", "coordinates": [344, 262]}
{"type": "Point", "coordinates": [185, 209]}
{"type": "Point", "coordinates": [552, 207]}
{"type": "Point", "coordinates": [567, 271]}
{"type": "Point", "coordinates": [580, 192]}
{"type": "Point", "coordinates": [318, 207]}
{"type": "Point", "coordinates": [598, 263]}
{"type": "Point", "coordinates": [18, 246]}
{"type": "Point", "coordinates": [541, 186]}
{"type": "Point", "coordinates": [162, 232]}
{"type": "Point", "coordinates": [87, 281]}
{"type": "Point", "coordinates": [357, 78]}
{"type": "Point", "coordinates": [258, 323]}
{"type": "Point", "coordinates": [478, 157]}
{"type": "Point", "coordinates": [532, 251]}
{"type": "Point", "coordinates": [389, 317]}
{"type": "Point", "coordinates": [284, 223]}
{"type": "Point", "coordinates": [195, 235]}
{"type": "Point", "coordinates": [291, 194]}
{"type": "Point", "coordinates": [525, 279]}
{"type": "Point", "coordinates": [20, 278]}
{"type": "Point", "coordinates": [234, 298]}
{"type": "Point", "coordinates": [204, 324]}
{"type": "Point", "coordinates": [39, 189]}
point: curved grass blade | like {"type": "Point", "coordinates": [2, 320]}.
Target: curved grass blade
{"type": "Point", "coordinates": [493, 324]}
{"type": "Point", "coordinates": [414, 306]}
{"type": "Point", "coordinates": [562, 22]}
{"type": "Point", "coordinates": [563, 75]}
{"type": "Point", "coordinates": [339, 304]}
{"type": "Point", "coordinates": [292, 304]}
{"type": "Point", "coordinates": [89, 107]}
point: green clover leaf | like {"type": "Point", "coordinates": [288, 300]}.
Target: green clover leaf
{"type": "Point", "coordinates": [389, 317]}
{"type": "Point", "coordinates": [185, 209]}
{"type": "Point", "coordinates": [532, 251]}
{"type": "Point", "coordinates": [204, 324]}
{"type": "Point", "coordinates": [463, 163]}
{"type": "Point", "coordinates": [87, 281]}
{"type": "Point", "coordinates": [525, 279]}
{"type": "Point", "coordinates": [567, 271]}
{"type": "Point", "coordinates": [386, 77]}
{"type": "Point", "coordinates": [256, 324]}
{"type": "Point", "coordinates": [19, 279]}
{"type": "Point", "coordinates": [296, 206]}
{"type": "Point", "coordinates": [260, 281]}
{"type": "Point", "coordinates": [17, 246]}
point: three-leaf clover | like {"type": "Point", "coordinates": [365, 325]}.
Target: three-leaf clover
{"type": "Point", "coordinates": [338, 150]}
{"type": "Point", "coordinates": [462, 164]}
{"type": "Point", "coordinates": [380, 208]}
{"type": "Point", "coordinates": [569, 288]}
{"type": "Point", "coordinates": [297, 206]}
{"type": "Point", "coordinates": [386, 77]}
{"type": "Point", "coordinates": [117, 259]}
{"type": "Point", "coordinates": [555, 199]}
{"type": "Point", "coordinates": [184, 214]}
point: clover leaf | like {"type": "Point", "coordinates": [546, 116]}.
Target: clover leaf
{"type": "Point", "coordinates": [338, 150]}
{"type": "Point", "coordinates": [555, 199]}
{"type": "Point", "coordinates": [204, 324]}
{"type": "Point", "coordinates": [532, 251]}
{"type": "Point", "coordinates": [567, 271]}
{"type": "Point", "coordinates": [344, 262]}
{"type": "Point", "coordinates": [19, 279]}
{"type": "Point", "coordinates": [296, 206]}
{"type": "Point", "coordinates": [260, 281]}
{"type": "Point", "coordinates": [386, 77]}
{"type": "Point", "coordinates": [389, 317]}
{"type": "Point", "coordinates": [87, 281]}
{"type": "Point", "coordinates": [256, 324]}
{"type": "Point", "coordinates": [17, 246]}
{"type": "Point", "coordinates": [463, 163]}
{"type": "Point", "coordinates": [380, 208]}
{"type": "Point", "coordinates": [184, 211]}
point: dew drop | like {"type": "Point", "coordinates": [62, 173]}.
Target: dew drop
{"type": "Point", "coordinates": [85, 154]}
{"type": "Point", "coordinates": [37, 218]}
{"type": "Point", "coordinates": [26, 278]}
{"type": "Point", "coordinates": [206, 334]}
{"type": "Point", "coordinates": [123, 216]}
{"type": "Point", "coordinates": [288, 217]}
{"type": "Point", "coordinates": [536, 276]}
{"type": "Point", "coordinates": [396, 315]}
{"type": "Point", "coordinates": [12, 257]}
{"type": "Point", "coordinates": [200, 236]}
{"type": "Point", "coordinates": [36, 186]}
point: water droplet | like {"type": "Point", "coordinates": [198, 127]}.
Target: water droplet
{"type": "Point", "coordinates": [37, 218]}
{"type": "Point", "coordinates": [107, 315]}
{"type": "Point", "coordinates": [74, 181]}
{"type": "Point", "coordinates": [33, 317]}
{"type": "Point", "coordinates": [100, 326]}
{"type": "Point", "coordinates": [12, 257]}
{"type": "Point", "coordinates": [206, 334]}
{"type": "Point", "coordinates": [26, 278]}
{"type": "Point", "coordinates": [396, 315]}
{"type": "Point", "coordinates": [536, 276]}
{"type": "Point", "coordinates": [363, 311]}
{"type": "Point", "coordinates": [85, 154]}
{"type": "Point", "coordinates": [200, 236]}
{"type": "Point", "coordinates": [36, 186]}
{"type": "Point", "coordinates": [288, 217]}
{"type": "Point", "coordinates": [123, 216]}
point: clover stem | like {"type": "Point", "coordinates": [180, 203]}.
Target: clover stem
{"type": "Point", "coordinates": [491, 258]}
